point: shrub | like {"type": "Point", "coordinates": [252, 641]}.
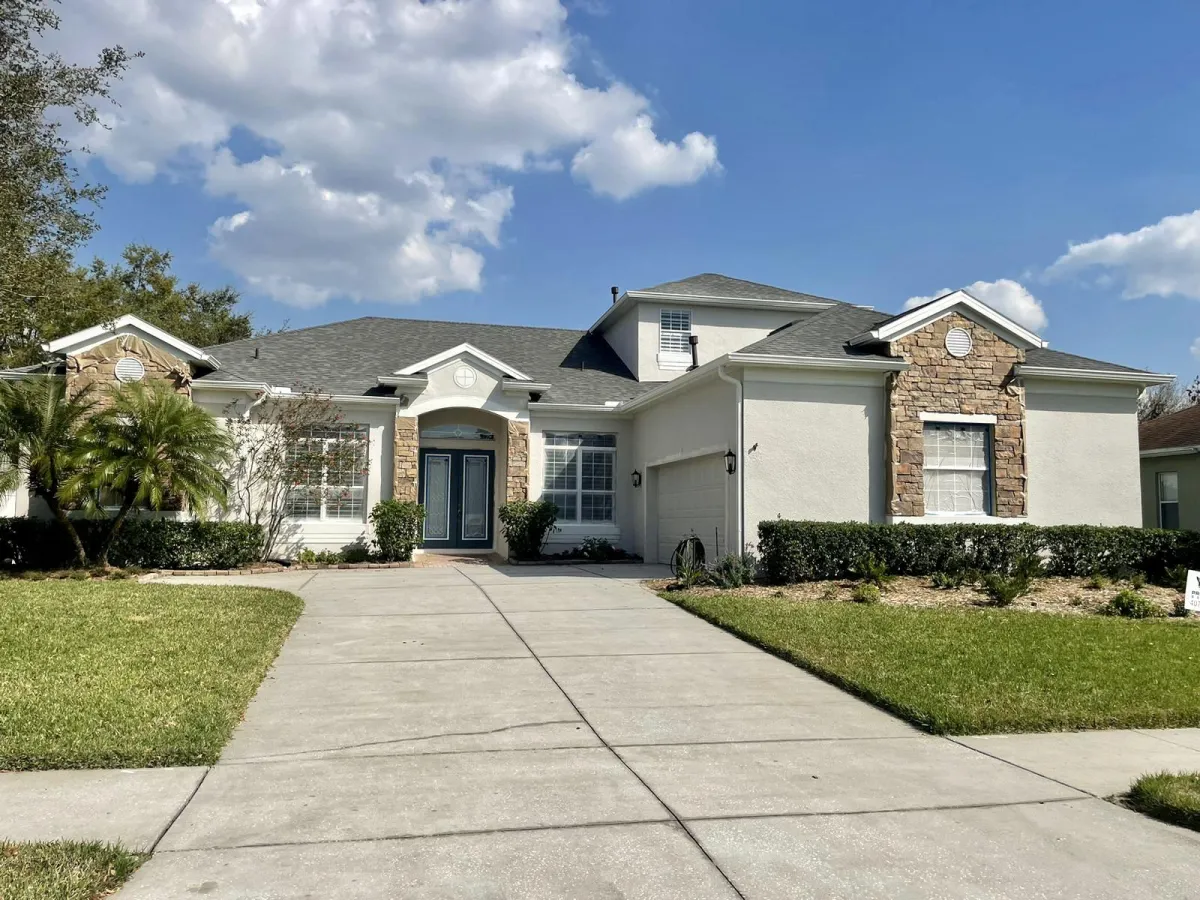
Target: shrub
{"type": "Point", "coordinates": [1176, 578]}
{"type": "Point", "coordinates": [872, 571]}
{"type": "Point", "coordinates": [1137, 581]}
{"type": "Point", "coordinates": [309, 557]}
{"type": "Point", "coordinates": [527, 524]}
{"type": "Point", "coordinates": [360, 552]}
{"type": "Point", "coordinates": [597, 549]}
{"type": "Point", "coordinates": [1003, 590]}
{"type": "Point", "coordinates": [1131, 605]}
{"type": "Point", "coordinates": [865, 592]}
{"type": "Point", "coordinates": [819, 551]}
{"type": "Point", "coordinates": [1028, 566]}
{"type": "Point", "coordinates": [1178, 608]}
{"type": "Point", "coordinates": [830, 593]}
{"type": "Point", "coordinates": [398, 525]}
{"type": "Point", "coordinates": [734, 570]}
{"type": "Point", "coordinates": [1096, 582]}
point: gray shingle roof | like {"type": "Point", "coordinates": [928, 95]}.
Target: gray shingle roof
{"type": "Point", "coordinates": [712, 285]}
{"type": "Point", "coordinates": [827, 334]}
{"type": "Point", "coordinates": [347, 357]}
{"type": "Point", "coordinates": [1179, 429]}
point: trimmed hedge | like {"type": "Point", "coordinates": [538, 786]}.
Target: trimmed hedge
{"type": "Point", "coordinates": [145, 543]}
{"type": "Point", "coordinates": [818, 551]}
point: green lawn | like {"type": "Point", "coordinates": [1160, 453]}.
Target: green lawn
{"type": "Point", "coordinates": [1174, 798]}
{"type": "Point", "coordinates": [116, 674]}
{"type": "Point", "coordinates": [63, 871]}
{"type": "Point", "coordinates": [980, 671]}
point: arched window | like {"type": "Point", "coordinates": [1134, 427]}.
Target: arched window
{"type": "Point", "coordinates": [457, 433]}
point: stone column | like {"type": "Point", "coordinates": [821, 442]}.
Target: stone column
{"type": "Point", "coordinates": [406, 455]}
{"type": "Point", "coordinates": [517, 484]}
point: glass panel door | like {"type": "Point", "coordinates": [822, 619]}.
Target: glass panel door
{"type": "Point", "coordinates": [437, 498]}
{"type": "Point", "coordinates": [475, 498]}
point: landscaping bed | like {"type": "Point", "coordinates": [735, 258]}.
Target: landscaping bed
{"type": "Point", "coordinates": [957, 668]}
{"type": "Point", "coordinates": [64, 870]}
{"type": "Point", "coordinates": [99, 674]}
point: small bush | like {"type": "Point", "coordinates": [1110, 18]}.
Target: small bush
{"type": "Point", "coordinates": [1131, 605]}
{"type": "Point", "coordinates": [1178, 609]}
{"type": "Point", "coordinates": [1137, 581]}
{"type": "Point", "coordinates": [1028, 566]}
{"type": "Point", "coordinates": [872, 571]}
{"type": "Point", "coordinates": [527, 524]}
{"type": "Point", "coordinates": [830, 594]}
{"type": "Point", "coordinates": [1004, 590]}
{"type": "Point", "coordinates": [358, 552]}
{"type": "Point", "coordinates": [1175, 578]}
{"type": "Point", "coordinates": [597, 549]}
{"type": "Point", "coordinates": [865, 592]}
{"type": "Point", "coordinates": [398, 525]}
{"type": "Point", "coordinates": [733, 570]}
{"type": "Point", "coordinates": [309, 557]}
{"type": "Point", "coordinates": [1096, 582]}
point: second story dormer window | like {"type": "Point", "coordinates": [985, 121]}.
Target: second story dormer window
{"type": "Point", "coordinates": [674, 329]}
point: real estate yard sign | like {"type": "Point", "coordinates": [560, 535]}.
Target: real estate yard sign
{"type": "Point", "coordinates": [1191, 598]}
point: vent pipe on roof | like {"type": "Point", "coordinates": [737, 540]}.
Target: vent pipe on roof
{"type": "Point", "coordinates": [614, 292]}
{"type": "Point", "coordinates": [256, 353]}
{"type": "Point", "coordinates": [694, 340]}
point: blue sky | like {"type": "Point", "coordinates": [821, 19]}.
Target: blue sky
{"type": "Point", "coordinates": [865, 151]}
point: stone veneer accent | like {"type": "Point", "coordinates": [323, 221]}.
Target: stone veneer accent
{"type": "Point", "coordinates": [981, 383]}
{"type": "Point", "coordinates": [517, 484]}
{"type": "Point", "coordinates": [96, 368]}
{"type": "Point", "coordinates": [406, 445]}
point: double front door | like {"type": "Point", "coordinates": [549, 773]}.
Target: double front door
{"type": "Point", "coordinates": [457, 487]}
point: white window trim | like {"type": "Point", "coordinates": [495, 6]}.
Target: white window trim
{"type": "Point", "coordinates": [963, 418]}
{"type": "Point", "coordinates": [1158, 495]}
{"type": "Point", "coordinates": [324, 516]}
{"type": "Point", "coordinates": [597, 527]}
{"type": "Point", "coordinates": [669, 358]}
{"type": "Point", "coordinates": [989, 468]}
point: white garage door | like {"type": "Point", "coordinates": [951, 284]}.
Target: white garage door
{"type": "Point", "coordinates": [691, 500]}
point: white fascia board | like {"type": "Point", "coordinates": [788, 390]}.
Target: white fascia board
{"type": "Point", "coordinates": [276, 392]}
{"type": "Point", "coordinates": [524, 387]}
{"type": "Point", "coordinates": [403, 381]}
{"type": "Point", "coordinates": [581, 408]}
{"type": "Point", "coordinates": [959, 418]}
{"type": "Point", "coordinates": [1169, 451]}
{"type": "Point", "coordinates": [487, 358]}
{"type": "Point", "coordinates": [629, 298]}
{"type": "Point", "coordinates": [89, 337]}
{"type": "Point", "coordinates": [931, 312]}
{"type": "Point", "coordinates": [1143, 378]}
{"type": "Point", "coordinates": [817, 362]}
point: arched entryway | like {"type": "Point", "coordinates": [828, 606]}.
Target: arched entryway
{"type": "Point", "coordinates": [462, 478]}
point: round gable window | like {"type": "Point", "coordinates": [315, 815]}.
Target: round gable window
{"type": "Point", "coordinates": [958, 342]}
{"type": "Point", "coordinates": [129, 369]}
{"type": "Point", "coordinates": [464, 377]}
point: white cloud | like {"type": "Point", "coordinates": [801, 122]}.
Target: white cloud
{"type": "Point", "coordinates": [1160, 260]}
{"type": "Point", "coordinates": [1196, 348]}
{"type": "Point", "coordinates": [1005, 296]}
{"type": "Point", "coordinates": [383, 130]}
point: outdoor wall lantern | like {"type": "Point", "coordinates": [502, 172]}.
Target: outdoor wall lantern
{"type": "Point", "coordinates": [637, 478]}
{"type": "Point", "coordinates": [730, 462]}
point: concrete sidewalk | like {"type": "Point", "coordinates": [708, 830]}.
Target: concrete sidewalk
{"type": "Point", "coordinates": [545, 733]}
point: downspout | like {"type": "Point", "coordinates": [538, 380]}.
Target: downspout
{"type": "Point", "coordinates": [740, 475]}
{"type": "Point", "coordinates": [262, 395]}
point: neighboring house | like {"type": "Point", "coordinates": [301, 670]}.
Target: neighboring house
{"type": "Point", "coordinates": [698, 406]}
{"type": "Point", "coordinates": [1170, 447]}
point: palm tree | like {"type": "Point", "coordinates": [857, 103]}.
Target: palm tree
{"type": "Point", "coordinates": [149, 445]}
{"type": "Point", "coordinates": [42, 430]}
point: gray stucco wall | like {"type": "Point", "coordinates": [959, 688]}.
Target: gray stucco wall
{"type": "Point", "coordinates": [1082, 453]}
{"type": "Point", "coordinates": [1187, 467]}
{"type": "Point", "coordinates": [698, 421]}
{"type": "Point", "coordinates": [815, 446]}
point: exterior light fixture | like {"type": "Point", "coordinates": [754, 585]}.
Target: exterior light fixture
{"type": "Point", "coordinates": [730, 462]}
{"type": "Point", "coordinates": [637, 478]}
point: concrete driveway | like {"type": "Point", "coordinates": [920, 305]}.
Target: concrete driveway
{"type": "Point", "coordinates": [481, 732]}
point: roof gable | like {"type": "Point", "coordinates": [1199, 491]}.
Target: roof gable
{"type": "Point", "coordinates": [463, 350]}
{"type": "Point", "coordinates": [128, 324]}
{"type": "Point", "coordinates": [960, 302]}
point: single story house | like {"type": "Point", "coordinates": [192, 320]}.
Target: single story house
{"type": "Point", "coordinates": [1170, 448]}
{"type": "Point", "coordinates": [701, 406]}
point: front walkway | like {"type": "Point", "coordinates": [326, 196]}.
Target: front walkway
{"type": "Point", "coordinates": [558, 732]}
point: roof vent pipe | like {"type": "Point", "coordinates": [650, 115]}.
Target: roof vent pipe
{"type": "Point", "coordinates": [694, 340]}
{"type": "Point", "coordinates": [614, 293]}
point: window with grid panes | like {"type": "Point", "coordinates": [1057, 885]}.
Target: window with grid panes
{"type": "Point", "coordinates": [579, 476]}
{"type": "Point", "coordinates": [335, 487]}
{"type": "Point", "coordinates": [674, 330]}
{"type": "Point", "coordinates": [958, 469]}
